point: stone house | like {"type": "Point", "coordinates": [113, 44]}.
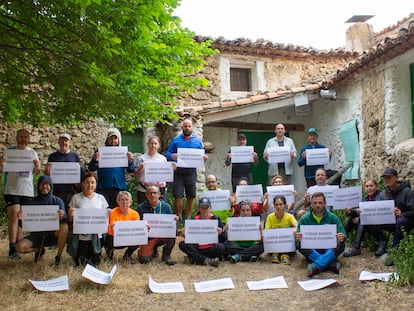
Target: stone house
{"type": "Point", "coordinates": [254, 85]}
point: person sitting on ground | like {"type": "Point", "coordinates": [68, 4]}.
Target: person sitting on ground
{"type": "Point", "coordinates": [205, 254]}
{"type": "Point", "coordinates": [37, 241]}
{"type": "Point", "coordinates": [257, 207]}
{"type": "Point", "coordinates": [321, 259]}
{"type": "Point", "coordinates": [372, 194]}
{"type": "Point", "coordinates": [154, 205]}
{"type": "Point", "coordinates": [277, 220]}
{"type": "Point", "coordinates": [244, 250]}
{"type": "Point", "coordinates": [122, 212]}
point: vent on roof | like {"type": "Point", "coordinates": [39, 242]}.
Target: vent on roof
{"type": "Point", "coordinates": [359, 18]}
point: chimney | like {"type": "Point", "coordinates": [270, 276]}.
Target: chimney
{"type": "Point", "coordinates": [360, 36]}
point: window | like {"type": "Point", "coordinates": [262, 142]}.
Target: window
{"type": "Point", "coordinates": [240, 79]}
{"type": "Point", "coordinates": [134, 141]}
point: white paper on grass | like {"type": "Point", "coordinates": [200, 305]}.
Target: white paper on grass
{"type": "Point", "coordinates": [52, 285]}
{"type": "Point", "coordinates": [271, 283]}
{"type": "Point", "coordinates": [214, 285]}
{"type": "Point", "coordinates": [166, 287]}
{"type": "Point", "coordinates": [315, 284]}
{"type": "Point", "coordinates": [98, 276]}
{"type": "Point", "coordinates": [37, 218]}
{"type": "Point", "coordinates": [369, 276]}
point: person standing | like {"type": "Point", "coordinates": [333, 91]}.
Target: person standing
{"type": "Point", "coordinates": [310, 170]}
{"type": "Point", "coordinates": [64, 154]}
{"type": "Point", "coordinates": [283, 169]}
{"type": "Point", "coordinates": [241, 170]}
{"type": "Point", "coordinates": [18, 189]}
{"type": "Point", "coordinates": [185, 179]}
{"type": "Point", "coordinates": [111, 180]}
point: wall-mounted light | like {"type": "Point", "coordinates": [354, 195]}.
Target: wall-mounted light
{"type": "Point", "coordinates": [302, 107]}
{"type": "Point", "coordinates": [331, 94]}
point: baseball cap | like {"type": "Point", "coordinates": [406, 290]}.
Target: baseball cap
{"type": "Point", "coordinates": [204, 202]}
{"type": "Point", "coordinates": [65, 135]}
{"type": "Point", "coordinates": [389, 172]}
{"type": "Point", "coordinates": [241, 135]}
{"type": "Point", "coordinates": [312, 130]}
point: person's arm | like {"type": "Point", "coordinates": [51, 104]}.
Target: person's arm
{"type": "Point", "coordinates": [93, 164]}
{"type": "Point", "coordinates": [302, 157]}
{"type": "Point", "coordinates": [131, 163]}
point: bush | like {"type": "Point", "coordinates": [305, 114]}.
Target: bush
{"type": "Point", "coordinates": [404, 260]}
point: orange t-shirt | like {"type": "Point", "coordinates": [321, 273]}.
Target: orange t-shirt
{"type": "Point", "coordinates": [117, 216]}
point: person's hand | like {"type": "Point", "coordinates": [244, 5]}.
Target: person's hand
{"type": "Point", "coordinates": [292, 154]}
{"type": "Point", "coordinates": [19, 214]}
{"type": "Point", "coordinates": [174, 156]}
{"type": "Point", "coordinates": [130, 157]}
{"type": "Point", "coordinates": [397, 212]}
{"type": "Point", "coordinates": [226, 228]}
{"type": "Point", "coordinates": [340, 237]}
{"type": "Point", "coordinates": [205, 157]}
{"type": "Point", "coordinates": [347, 210]}
{"type": "Point", "coordinates": [298, 235]}
{"type": "Point", "coordinates": [48, 167]}
{"type": "Point", "coordinates": [219, 230]}
{"type": "Point", "coordinates": [71, 212]}
{"type": "Point", "coordinates": [176, 218]}
{"type": "Point", "coordinates": [304, 154]}
{"type": "Point", "coordinates": [61, 213]}
{"type": "Point", "coordinates": [36, 166]}
{"type": "Point", "coordinates": [358, 210]}
{"type": "Point", "coordinates": [96, 156]}
{"type": "Point", "coordinates": [265, 155]}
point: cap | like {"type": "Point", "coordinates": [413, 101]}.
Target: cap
{"type": "Point", "coordinates": [241, 135]}
{"type": "Point", "coordinates": [65, 135]}
{"type": "Point", "coordinates": [204, 202]}
{"type": "Point", "coordinates": [389, 172]}
{"type": "Point", "coordinates": [312, 130]}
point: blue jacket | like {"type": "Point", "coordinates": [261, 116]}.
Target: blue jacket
{"type": "Point", "coordinates": [309, 170]}
{"type": "Point", "coordinates": [180, 142]}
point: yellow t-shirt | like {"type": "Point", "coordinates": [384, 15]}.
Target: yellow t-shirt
{"type": "Point", "coordinates": [287, 221]}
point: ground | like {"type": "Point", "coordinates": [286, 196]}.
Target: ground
{"type": "Point", "coordinates": [129, 288]}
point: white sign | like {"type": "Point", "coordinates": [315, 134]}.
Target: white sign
{"type": "Point", "coordinates": [328, 191]}
{"type": "Point", "coordinates": [38, 218]}
{"type": "Point", "coordinates": [285, 190]}
{"type": "Point", "coordinates": [278, 154]}
{"type": "Point", "coordinates": [369, 276]}
{"type": "Point", "coordinates": [271, 283]}
{"type": "Point", "coordinates": [130, 233]}
{"type": "Point", "coordinates": [18, 160]}
{"type": "Point", "coordinates": [241, 154]}
{"type": "Point", "coordinates": [98, 276]}
{"type": "Point", "coordinates": [158, 172]}
{"type": "Point", "coordinates": [214, 285]}
{"type": "Point", "coordinates": [161, 225]}
{"type": "Point", "coordinates": [252, 193]}
{"type": "Point", "coordinates": [52, 285]}
{"type": "Point", "coordinates": [243, 228]}
{"type": "Point", "coordinates": [65, 172]}
{"type": "Point", "coordinates": [347, 197]}
{"type": "Point", "coordinates": [317, 156]}
{"type": "Point", "coordinates": [190, 157]}
{"type": "Point", "coordinates": [90, 221]}
{"type": "Point", "coordinates": [316, 284]}
{"type": "Point", "coordinates": [279, 240]}
{"type": "Point", "coordinates": [219, 199]}
{"type": "Point", "coordinates": [318, 236]}
{"type": "Point", "coordinates": [113, 156]}
{"type": "Point", "coordinates": [377, 212]}
{"type": "Point", "coordinates": [166, 287]}
{"type": "Point", "coordinates": [202, 231]}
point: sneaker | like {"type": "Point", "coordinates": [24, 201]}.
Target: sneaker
{"type": "Point", "coordinates": [352, 251]}
{"type": "Point", "coordinates": [169, 261]}
{"type": "Point", "coordinates": [39, 254]}
{"type": "Point", "coordinates": [58, 260]}
{"type": "Point", "coordinates": [389, 261]}
{"type": "Point", "coordinates": [14, 256]}
{"type": "Point", "coordinates": [254, 259]}
{"type": "Point", "coordinates": [130, 260]}
{"type": "Point", "coordinates": [275, 258]}
{"type": "Point", "coordinates": [285, 259]}
{"type": "Point", "coordinates": [312, 269]}
{"type": "Point", "coordinates": [335, 266]}
{"type": "Point", "coordinates": [214, 262]}
{"type": "Point", "coordinates": [235, 258]}
{"type": "Point", "coordinates": [188, 260]}
{"type": "Point", "coordinates": [381, 250]}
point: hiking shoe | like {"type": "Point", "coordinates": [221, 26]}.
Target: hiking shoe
{"type": "Point", "coordinates": [285, 259]}
{"type": "Point", "coordinates": [130, 260]}
{"type": "Point", "coordinates": [312, 269]}
{"type": "Point", "coordinates": [352, 251]}
{"type": "Point", "coordinates": [214, 262]}
{"type": "Point", "coordinates": [389, 261]}
{"type": "Point", "coordinates": [381, 250]}
{"type": "Point", "coordinates": [235, 258]}
{"type": "Point", "coordinates": [188, 260]}
{"type": "Point", "coordinates": [14, 256]}
{"type": "Point", "coordinates": [275, 258]}
{"type": "Point", "coordinates": [39, 254]}
{"type": "Point", "coordinates": [169, 261]}
{"type": "Point", "coordinates": [58, 260]}
{"type": "Point", "coordinates": [335, 266]}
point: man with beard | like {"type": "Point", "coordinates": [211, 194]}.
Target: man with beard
{"type": "Point", "coordinates": [185, 179]}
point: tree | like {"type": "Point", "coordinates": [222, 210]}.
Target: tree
{"type": "Point", "coordinates": [66, 61]}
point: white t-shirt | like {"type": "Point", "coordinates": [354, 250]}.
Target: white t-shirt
{"type": "Point", "coordinates": [79, 200]}
{"type": "Point", "coordinates": [148, 158]}
{"type": "Point", "coordinates": [20, 183]}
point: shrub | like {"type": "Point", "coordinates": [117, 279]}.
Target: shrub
{"type": "Point", "coordinates": [404, 260]}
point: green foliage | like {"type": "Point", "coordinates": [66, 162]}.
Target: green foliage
{"type": "Point", "coordinates": [67, 61]}
{"type": "Point", "coordinates": [3, 208]}
{"type": "Point", "coordinates": [404, 260]}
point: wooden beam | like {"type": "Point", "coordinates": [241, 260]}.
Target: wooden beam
{"type": "Point", "coordinates": [269, 127]}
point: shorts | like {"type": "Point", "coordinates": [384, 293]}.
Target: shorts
{"type": "Point", "coordinates": [12, 199]}
{"type": "Point", "coordinates": [185, 183]}
{"type": "Point", "coordinates": [42, 239]}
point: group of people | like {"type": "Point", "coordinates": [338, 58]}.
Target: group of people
{"type": "Point", "coordinates": [105, 188]}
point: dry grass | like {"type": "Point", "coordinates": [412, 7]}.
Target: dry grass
{"type": "Point", "coordinates": [129, 289]}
